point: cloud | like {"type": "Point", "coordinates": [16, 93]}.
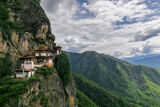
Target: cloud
{"type": "Point", "coordinates": [53, 6]}
{"type": "Point", "coordinates": [142, 36]}
{"type": "Point", "coordinates": [147, 50]}
{"type": "Point", "coordinates": [116, 27]}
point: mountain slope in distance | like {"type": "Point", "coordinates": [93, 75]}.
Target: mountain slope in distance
{"type": "Point", "coordinates": [152, 60]}
{"type": "Point", "coordinates": [136, 84]}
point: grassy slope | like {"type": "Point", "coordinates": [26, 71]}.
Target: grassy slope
{"type": "Point", "coordinates": [137, 84]}
{"type": "Point", "coordinates": [99, 95]}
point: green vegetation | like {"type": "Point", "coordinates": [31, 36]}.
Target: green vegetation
{"type": "Point", "coordinates": [5, 64]}
{"type": "Point", "coordinates": [38, 1]}
{"type": "Point", "coordinates": [6, 25]}
{"type": "Point", "coordinates": [100, 96]}
{"type": "Point", "coordinates": [30, 14]}
{"type": "Point", "coordinates": [62, 65]}
{"type": "Point", "coordinates": [44, 101]}
{"type": "Point", "coordinates": [10, 88]}
{"type": "Point", "coordinates": [136, 84]}
{"type": "Point", "coordinates": [45, 71]}
{"type": "Point", "coordinates": [84, 101]}
{"type": "Point", "coordinates": [35, 77]}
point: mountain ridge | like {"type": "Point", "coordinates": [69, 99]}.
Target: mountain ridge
{"type": "Point", "coordinates": [134, 83]}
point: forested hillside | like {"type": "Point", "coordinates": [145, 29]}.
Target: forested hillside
{"type": "Point", "coordinates": [98, 95]}
{"type": "Point", "coordinates": [137, 84]}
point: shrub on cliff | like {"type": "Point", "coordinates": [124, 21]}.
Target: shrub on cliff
{"type": "Point", "coordinates": [45, 71]}
{"type": "Point", "coordinates": [62, 65]}
{"type": "Point", "coordinates": [5, 63]}
{"type": "Point", "coordinates": [38, 1]}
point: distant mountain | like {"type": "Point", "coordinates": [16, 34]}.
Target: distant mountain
{"type": "Point", "coordinates": [136, 84]}
{"type": "Point", "coordinates": [152, 60]}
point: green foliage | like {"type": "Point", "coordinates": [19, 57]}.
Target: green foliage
{"type": "Point", "coordinates": [99, 95]}
{"type": "Point", "coordinates": [40, 86]}
{"type": "Point", "coordinates": [35, 77]}
{"type": "Point", "coordinates": [136, 84]}
{"type": "Point", "coordinates": [45, 71]}
{"type": "Point", "coordinates": [35, 98]}
{"type": "Point", "coordinates": [44, 101]}
{"type": "Point", "coordinates": [5, 64]}
{"type": "Point", "coordinates": [10, 88]}
{"type": "Point", "coordinates": [38, 1]}
{"type": "Point", "coordinates": [62, 65]}
{"type": "Point", "coordinates": [84, 101]}
{"type": "Point", "coordinates": [6, 26]}
{"type": "Point", "coordinates": [31, 15]}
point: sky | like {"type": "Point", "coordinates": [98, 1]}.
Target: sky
{"type": "Point", "coordinates": [121, 28]}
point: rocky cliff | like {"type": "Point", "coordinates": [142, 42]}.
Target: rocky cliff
{"type": "Point", "coordinates": [23, 28]}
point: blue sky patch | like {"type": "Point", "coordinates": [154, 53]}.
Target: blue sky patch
{"type": "Point", "coordinates": [87, 14]}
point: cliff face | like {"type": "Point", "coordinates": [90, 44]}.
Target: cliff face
{"type": "Point", "coordinates": [27, 29]}
{"type": "Point", "coordinates": [46, 92]}
{"type": "Point", "coordinates": [23, 28]}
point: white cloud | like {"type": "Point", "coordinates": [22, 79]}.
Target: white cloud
{"type": "Point", "coordinates": [100, 32]}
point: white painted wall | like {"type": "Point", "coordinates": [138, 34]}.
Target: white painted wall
{"type": "Point", "coordinates": [43, 54]}
{"type": "Point", "coordinates": [50, 61]}
{"type": "Point", "coordinates": [28, 64]}
{"type": "Point", "coordinates": [26, 74]}
{"type": "Point", "coordinates": [37, 54]}
{"type": "Point", "coordinates": [39, 65]}
{"type": "Point", "coordinates": [58, 52]}
{"type": "Point", "coordinates": [33, 73]}
{"type": "Point", "coordinates": [21, 75]}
